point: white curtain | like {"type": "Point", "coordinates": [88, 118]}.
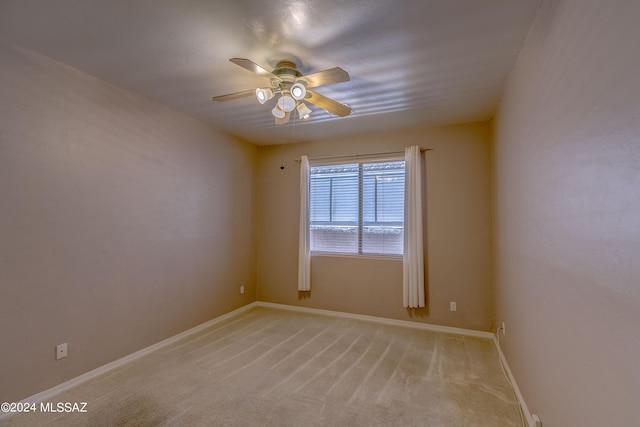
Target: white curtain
{"type": "Point", "coordinates": [413, 262]}
{"type": "Point", "coordinates": [304, 253]}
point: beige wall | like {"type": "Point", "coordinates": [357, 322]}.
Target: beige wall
{"type": "Point", "coordinates": [459, 231]}
{"type": "Point", "coordinates": [567, 188]}
{"type": "Point", "coordinates": [121, 222]}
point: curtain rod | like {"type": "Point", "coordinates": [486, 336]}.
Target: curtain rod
{"type": "Point", "coordinates": [359, 155]}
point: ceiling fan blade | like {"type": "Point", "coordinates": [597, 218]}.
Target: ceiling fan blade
{"type": "Point", "coordinates": [283, 120]}
{"type": "Point", "coordinates": [326, 77]}
{"type": "Point", "coordinates": [236, 95]}
{"type": "Point", "coordinates": [253, 67]}
{"type": "Point", "coordinates": [328, 104]}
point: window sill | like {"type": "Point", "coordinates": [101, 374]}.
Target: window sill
{"type": "Point", "coordinates": [358, 256]}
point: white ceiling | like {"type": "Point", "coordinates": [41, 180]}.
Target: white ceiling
{"type": "Point", "coordinates": [412, 62]}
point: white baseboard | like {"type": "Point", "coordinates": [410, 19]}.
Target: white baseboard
{"type": "Point", "coordinates": [395, 322]}
{"type": "Point", "coordinates": [48, 394]}
{"type": "Point", "coordinates": [523, 404]}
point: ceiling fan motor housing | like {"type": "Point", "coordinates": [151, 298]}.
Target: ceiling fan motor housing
{"type": "Point", "coordinates": [287, 71]}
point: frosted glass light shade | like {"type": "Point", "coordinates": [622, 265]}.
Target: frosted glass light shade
{"type": "Point", "coordinates": [286, 103]}
{"type": "Point", "coordinates": [263, 94]}
{"type": "Point", "coordinates": [277, 112]}
{"type": "Point", "coordinates": [298, 91]}
{"type": "Point", "coordinates": [304, 112]}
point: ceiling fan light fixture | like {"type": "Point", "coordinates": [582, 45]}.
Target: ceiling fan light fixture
{"type": "Point", "coordinates": [304, 112]}
{"type": "Point", "coordinates": [298, 91]}
{"type": "Point", "coordinates": [286, 103]}
{"type": "Point", "coordinates": [263, 94]}
{"type": "Point", "coordinates": [278, 113]}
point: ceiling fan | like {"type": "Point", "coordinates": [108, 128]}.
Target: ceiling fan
{"type": "Point", "coordinates": [293, 88]}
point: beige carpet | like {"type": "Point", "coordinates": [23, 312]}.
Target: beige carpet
{"type": "Point", "coordinates": [269, 367]}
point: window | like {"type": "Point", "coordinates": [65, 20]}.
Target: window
{"type": "Point", "coordinates": [357, 208]}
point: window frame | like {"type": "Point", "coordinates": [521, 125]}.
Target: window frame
{"type": "Point", "coordinates": [360, 160]}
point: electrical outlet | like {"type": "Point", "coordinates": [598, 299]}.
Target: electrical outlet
{"type": "Point", "coordinates": [61, 351]}
{"type": "Point", "coordinates": [504, 329]}
{"type": "Point", "coordinates": [452, 306]}
{"type": "Point", "coordinates": [241, 289]}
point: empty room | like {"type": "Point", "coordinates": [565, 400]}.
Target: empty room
{"type": "Point", "coordinates": [320, 213]}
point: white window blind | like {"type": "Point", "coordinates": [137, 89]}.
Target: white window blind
{"type": "Point", "coordinates": [357, 208]}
